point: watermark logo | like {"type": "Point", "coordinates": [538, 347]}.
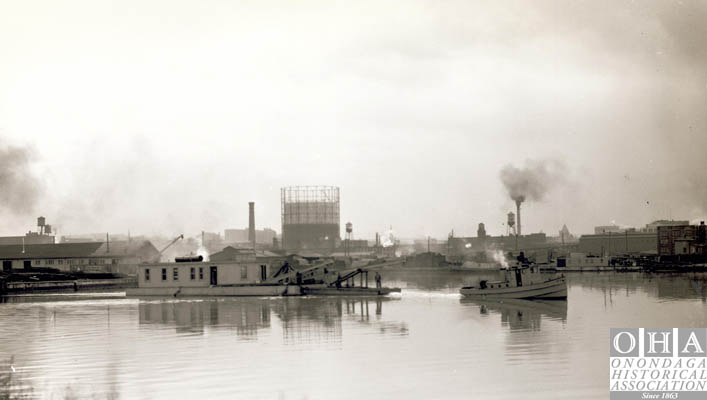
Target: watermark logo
{"type": "Point", "coordinates": [658, 363]}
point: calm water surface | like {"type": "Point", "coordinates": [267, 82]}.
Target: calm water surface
{"type": "Point", "coordinates": [427, 343]}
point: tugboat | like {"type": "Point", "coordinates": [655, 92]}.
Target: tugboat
{"type": "Point", "coordinates": [521, 281]}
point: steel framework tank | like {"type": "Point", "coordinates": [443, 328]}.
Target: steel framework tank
{"type": "Point", "coordinates": [310, 218]}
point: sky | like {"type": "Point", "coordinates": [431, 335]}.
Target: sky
{"type": "Point", "coordinates": [167, 117]}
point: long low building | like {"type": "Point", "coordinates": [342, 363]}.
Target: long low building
{"type": "Point", "coordinates": [120, 257]}
{"type": "Point", "coordinates": [628, 242]}
{"type": "Point", "coordinates": [461, 245]}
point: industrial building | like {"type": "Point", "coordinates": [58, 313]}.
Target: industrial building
{"type": "Point", "coordinates": [95, 257]}
{"type": "Point", "coordinates": [626, 242]}
{"type": "Point", "coordinates": [461, 245]}
{"type": "Point", "coordinates": [682, 241]}
{"type": "Point", "coordinates": [653, 226]}
{"type": "Point", "coordinates": [263, 236]}
{"type": "Point", "coordinates": [601, 229]}
{"type": "Point", "coordinates": [250, 236]}
{"type": "Point", "coordinates": [310, 218]}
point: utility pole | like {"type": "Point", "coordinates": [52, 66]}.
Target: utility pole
{"type": "Point", "coordinates": [626, 241]}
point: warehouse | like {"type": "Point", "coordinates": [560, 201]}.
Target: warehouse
{"type": "Point", "coordinates": [113, 257]}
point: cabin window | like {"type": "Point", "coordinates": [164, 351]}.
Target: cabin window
{"type": "Point", "coordinates": [244, 272]}
{"type": "Point", "coordinates": [147, 274]}
{"type": "Point", "coordinates": [192, 273]}
{"type": "Point", "coordinates": [175, 274]}
{"type": "Point", "coordinates": [164, 274]}
{"type": "Point", "coordinates": [201, 273]}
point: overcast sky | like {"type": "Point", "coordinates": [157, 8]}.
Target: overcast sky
{"type": "Point", "coordinates": [169, 116]}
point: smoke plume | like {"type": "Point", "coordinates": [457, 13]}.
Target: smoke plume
{"type": "Point", "coordinates": [19, 188]}
{"type": "Point", "coordinates": [499, 257]}
{"type": "Point", "coordinates": [532, 181]}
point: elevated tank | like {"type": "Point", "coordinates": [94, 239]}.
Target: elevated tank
{"type": "Point", "coordinates": [511, 219]}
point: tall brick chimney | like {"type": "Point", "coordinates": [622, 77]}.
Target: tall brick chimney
{"type": "Point", "coordinates": [251, 223]}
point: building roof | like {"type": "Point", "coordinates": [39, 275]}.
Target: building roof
{"type": "Point", "coordinates": [228, 253]}
{"type": "Point", "coordinates": [268, 253]}
{"type": "Point", "coordinates": [59, 250]}
{"type": "Point", "coordinates": [121, 248]}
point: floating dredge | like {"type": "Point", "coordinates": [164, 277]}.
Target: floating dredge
{"type": "Point", "coordinates": [191, 276]}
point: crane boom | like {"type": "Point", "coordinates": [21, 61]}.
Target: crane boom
{"type": "Point", "coordinates": [171, 243]}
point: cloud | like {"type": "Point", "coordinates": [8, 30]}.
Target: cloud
{"type": "Point", "coordinates": [19, 187]}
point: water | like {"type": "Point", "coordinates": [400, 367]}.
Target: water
{"type": "Point", "coordinates": [427, 343]}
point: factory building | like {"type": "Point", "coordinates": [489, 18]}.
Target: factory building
{"type": "Point", "coordinates": [461, 245]}
{"type": "Point", "coordinates": [601, 229]}
{"type": "Point", "coordinates": [263, 236]}
{"type": "Point", "coordinates": [250, 236]}
{"type": "Point", "coordinates": [653, 226]}
{"type": "Point", "coordinates": [310, 218]}
{"type": "Point", "coordinates": [682, 241]}
{"type": "Point", "coordinates": [94, 257]}
{"type": "Point", "coordinates": [626, 242]}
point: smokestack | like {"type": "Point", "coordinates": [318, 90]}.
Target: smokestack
{"type": "Point", "coordinates": [518, 215]}
{"type": "Point", "coordinates": [251, 223]}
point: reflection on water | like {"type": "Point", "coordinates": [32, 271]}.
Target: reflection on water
{"type": "Point", "coordinates": [520, 314]}
{"type": "Point", "coordinates": [665, 286]}
{"type": "Point", "coordinates": [307, 319]}
{"type": "Point", "coordinates": [245, 318]}
{"type": "Point", "coordinates": [427, 343]}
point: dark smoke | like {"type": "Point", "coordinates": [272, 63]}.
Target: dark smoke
{"type": "Point", "coordinates": [532, 181]}
{"type": "Point", "coordinates": [19, 188]}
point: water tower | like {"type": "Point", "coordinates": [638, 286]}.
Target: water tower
{"type": "Point", "coordinates": [349, 236]}
{"type": "Point", "coordinates": [41, 223]}
{"type": "Point", "coordinates": [511, 222]}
